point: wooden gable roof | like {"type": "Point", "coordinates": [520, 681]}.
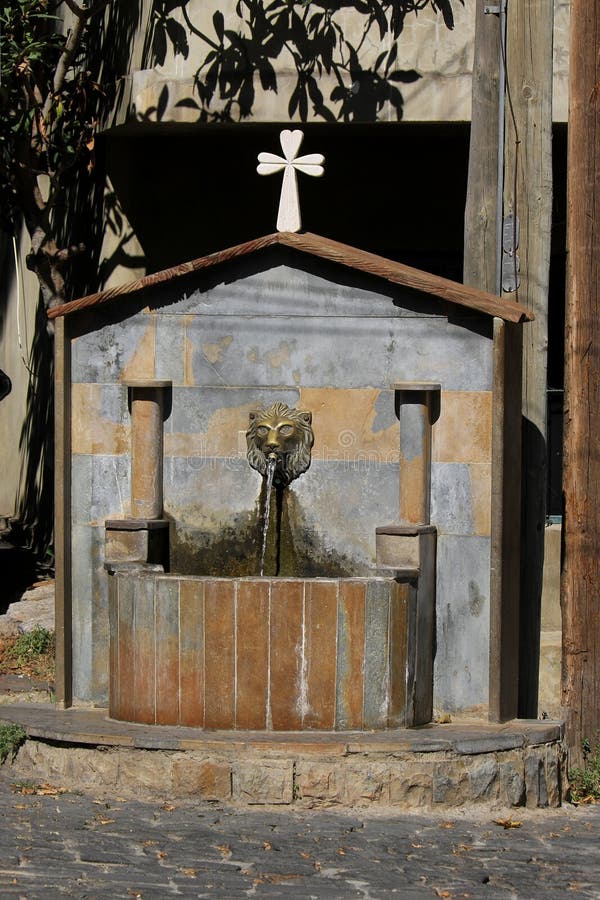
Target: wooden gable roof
{"type": "Point", "coordinates": [323, 248]}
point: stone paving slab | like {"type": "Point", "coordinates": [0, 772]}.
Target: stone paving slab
{"type": "Point", "coordinates": [66, 844]}
{"type": "Point", "coordinates": [92, 726]}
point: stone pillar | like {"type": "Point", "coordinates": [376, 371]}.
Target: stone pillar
{"type": "Point", "coordinates": [143, 537]}
{"type": "Point", "coordinates": [147, 403]}
{"type": "Point", "coordinates": [416, 404]}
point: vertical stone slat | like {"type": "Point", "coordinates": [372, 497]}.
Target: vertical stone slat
{"type": "Point", "coordinates": [219, 653]}
{"type": "Point", "coordinates": [376, 693]}
{"type": "Point", "coordinates": [350, 655]}
{"type": "Point", "coordinates": [320, 644]}
{"type": "Point", "coordinates": [425, 631]}
{"type": "Point", "coordinates": [144, 651]}
{"type": "Point", "coordinates": [191, 653]}
{"type": "Point", "coordinates": [113, 630]}
{"type": "Point", "coordinates": [252, 654]}
{"type": "Point", "coordinates": [400, 599]}
{"type": "Point", "coordinates": [285, 634]}
{"type": "Point", "coordinates": [167, 651]}
{"type": "Point", "coordinates": [125, 707]}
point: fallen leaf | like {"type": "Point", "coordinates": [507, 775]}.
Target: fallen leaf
{"type": "Point", "coordinates": [341, 851]}
{"type": "Point", "coordinates": [508, 823]}
{"type": "Point", "coordinates": [149, 843]}
{"type": "Point", "coordinates": [440, 893]}
{"type": "Point", "coordinates": [190, 873]}
{"type": "Point", "coordinates": [305, 855]}
{"type": "Point", "coordinates": [167, 807]}
{"type": "Point", "coordinates": [267, 845]}
{"type": "Point", "coordinates": [161, 854]}
{"type": "Point", "coordinates": [102, 820]}
{"type": "Point", "coordinates": [447, 824]}
{"type": "Point", "coordinates": [50, 790]}
{"type": "Point", "coordinates": [461, 848]}
{"type": "Point", "coordinates": [224, 849]}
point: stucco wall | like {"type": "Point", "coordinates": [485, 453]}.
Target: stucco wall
{"type": "Point", "coordinates": [161, 89]}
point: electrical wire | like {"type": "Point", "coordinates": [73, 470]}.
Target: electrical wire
{"type": "Point", "coordinates": [19, 304]}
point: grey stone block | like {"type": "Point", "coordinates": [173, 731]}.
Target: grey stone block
{"type": "Point", "coordinates": [102, 355]}
{"type": "Point", "coordinates": [462, 613]}
{"type": "Point", "coordinates": [451, 498]}
{"type": "Point", "coordinates": [512, 784]}
{"type": "Point", "coordinates": [483, 778]}
{"type": "Point", "coordinates": [535, 781]}
{"type": "Point", "coordinates": [327, 352]}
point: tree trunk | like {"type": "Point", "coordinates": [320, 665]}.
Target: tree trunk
{"type": "Point", "coordinates": [581, 478]}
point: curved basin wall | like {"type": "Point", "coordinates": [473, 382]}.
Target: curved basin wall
{"type": "Point", "coordinates": [268, 653]}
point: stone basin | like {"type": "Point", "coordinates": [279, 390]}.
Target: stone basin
{"type": "Point", "coordinates": [273, 654]}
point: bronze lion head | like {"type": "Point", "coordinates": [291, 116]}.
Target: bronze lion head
{"type": "Point", "coordinates": [283, 434]}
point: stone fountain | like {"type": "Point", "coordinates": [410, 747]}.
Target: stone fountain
{"type": "Point", "coordinates": [303, 409]}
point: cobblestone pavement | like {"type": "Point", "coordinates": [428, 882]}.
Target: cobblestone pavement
{"type": "Point", "coordinates": [55, 844]}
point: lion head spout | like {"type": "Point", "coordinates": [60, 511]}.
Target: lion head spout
{"type": "Point", "coordinates": [282, 434]}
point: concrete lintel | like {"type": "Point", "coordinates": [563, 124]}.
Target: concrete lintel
{"type": "Point", "coordinates": [135, 524]}
{"type": "Point", "coordinates": [415, 386]}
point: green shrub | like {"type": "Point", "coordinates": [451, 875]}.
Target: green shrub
{"type": "Point", "coordinates": [32, 644]}
{"type": "Point", "coordinates": [584, 783]}
{"type": "Point", "coordinates": [11, 738]}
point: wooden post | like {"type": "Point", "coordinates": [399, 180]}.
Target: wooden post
{"type": "Point", "coordinates": [528, 195]}
{"type": "Point", "coordinates": [581, 473]}
{"type": "Point", "coordinates": [479, 267]}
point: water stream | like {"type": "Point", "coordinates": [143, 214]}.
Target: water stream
{"type": "Point", "coordinates": [271, 464]}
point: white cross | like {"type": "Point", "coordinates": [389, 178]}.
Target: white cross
{"type": "Point", "coordinates": [288, 217]}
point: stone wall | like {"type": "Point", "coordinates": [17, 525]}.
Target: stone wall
{"type": "Point", "coordinates": [532, 776]}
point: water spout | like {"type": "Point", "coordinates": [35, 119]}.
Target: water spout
{"type": "Point", "coordinates": [268, 476]}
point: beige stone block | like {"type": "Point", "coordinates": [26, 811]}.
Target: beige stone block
{"type": "Point", "coordinates": [399, 551]}
{"type": "Point", "coordinates": [224, 437]}
{"type": "Point", "coordinates": [141, 365]}
{"type": "Point", "coordinates": [271, 782]}
{"type": "Point", "coordinates": [126, 546]}
{"type": "Point", "coordinates": [188, 353]}
{"type": "Point", "coordinates": [411, 789]}
{"type": "Point", "coordinates": [318, 781]}
{"type": "Point", "coordinates": [367, 783]}
{"type": "Point", "coordinates": [208, 779]}
{"type": "Point", "coordinates": [549, 700]}
{"type": "Point", "coordinates": [90, 431]}
{"type": "Point", "coordinates": [344, 423]}
{"type": "Point", "coordinates": [551, 614]}
{"type": "Point", "coordinates": [150, 772]}
{"type": "Point", "coordinates": [481, 497]}
{"type": "Point", "coordinates": [463, 432]}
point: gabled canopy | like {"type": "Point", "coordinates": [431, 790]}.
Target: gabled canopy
{"type": "Point", "coordinates": [323, 248]}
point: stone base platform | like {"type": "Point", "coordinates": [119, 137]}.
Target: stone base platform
{"type": "Point", "coordinates": [435, 766]}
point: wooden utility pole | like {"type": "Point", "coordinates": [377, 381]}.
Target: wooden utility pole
{"type": "Point", "coordinates": [479, 267]}
{"type": "Point", "coordinates": [528, 196]}
{"type": "Point", "coordinates": [527, 176]}
{"type": "Point", "coordinates": [581, 462]}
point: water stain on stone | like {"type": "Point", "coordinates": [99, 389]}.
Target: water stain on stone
{"type": "Point", "coordinates": [293, 550]}
{"type": "Point", "coordinates": [476, 600]}
{"type": "Point", "coordinates": [214, 352]}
